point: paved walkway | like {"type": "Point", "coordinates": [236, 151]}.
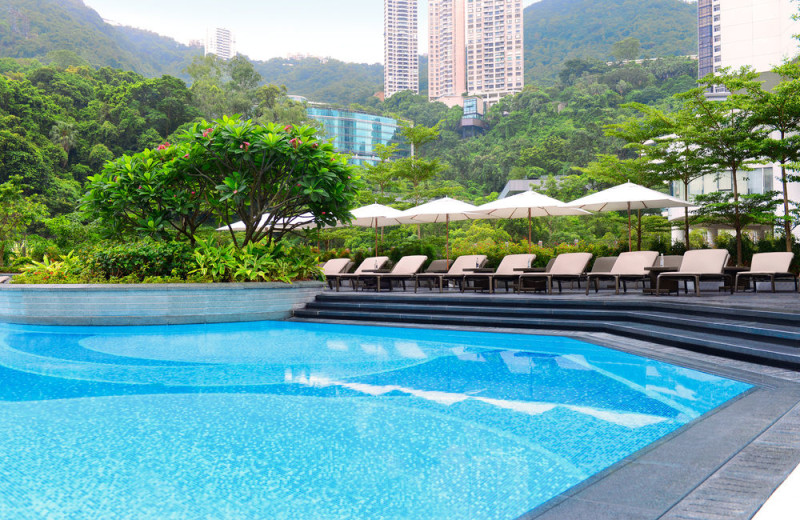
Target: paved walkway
{"type": "Point", "coordinates": [784, 504]}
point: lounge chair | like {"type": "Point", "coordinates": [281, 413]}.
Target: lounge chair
{"type": "Point", "coordinates": [628, 267]}
{"type": "Point", "coordinates": [567, 266]}
{"type": "Point", "coordinates": [768, 267]}
{"type": "Point", "coordinates": [698, 265]}
{"type": "Point", "coordinates": [505, 272]}
{"type": "Point", "coordinates": [456, 272]}
{"type": "Point", "coordinates": [335, 266]}
{"type": "Point", "coordinates": [535, 285]}
{"type": "Point", "coordinates": [405, 269]}
{"type": "Point", "coordinates": [437, 266]}
{"type": "Point", "coordinates": [369, 264]}
{"type": "Point", "coordinates": [4, 279]}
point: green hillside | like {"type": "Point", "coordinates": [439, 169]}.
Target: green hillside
{"type": "Point", "coordinates": [557, 30]}
{"type": "Point", "coordinates": [44, 29]}
{"type": "Point", "coordinates": [67, 32]}
{"type": "Point", "coordinates": [333, 81]}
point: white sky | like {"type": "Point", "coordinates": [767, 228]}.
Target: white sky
{"type": "Point", "coordinates": [348, 30]}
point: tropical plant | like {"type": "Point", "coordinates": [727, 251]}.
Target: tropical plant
{"type": "Point", "coordinates": [17, 212]}
{"type": "Point", "coordinates": [265, 176]}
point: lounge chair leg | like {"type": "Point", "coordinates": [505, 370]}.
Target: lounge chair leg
{"type": "Point", "coordinates": [772, 281]}
{"type": "Point", "coordinates": [697, 286]}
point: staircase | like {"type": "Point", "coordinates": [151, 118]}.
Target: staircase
{"type": "Point", "coordinates": [765, 337]}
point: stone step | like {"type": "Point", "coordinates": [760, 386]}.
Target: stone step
{"type": "Point", "coordinates": [750, 334]}
{"type": "Point", "coordinates": [779, 334]}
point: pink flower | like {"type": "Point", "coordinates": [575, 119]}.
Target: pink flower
{"type": "Point", "coordinates": [186, 156]}
{"type": "Point", "coordinates": [287, 128]}
{"type": "Point", "coordinates": [235, 192]}
{"type": "Point", "coordinates": [192, 193]}
{"type": "Point", "coordinates": [207, 132]}
{"type": "Point", "coordinates": [140, 186]}
{"type": "Point", "coordinates": [315, 145]}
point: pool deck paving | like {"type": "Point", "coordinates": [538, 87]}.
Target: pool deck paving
{"type": "Point", "coordinates": [725, 465]}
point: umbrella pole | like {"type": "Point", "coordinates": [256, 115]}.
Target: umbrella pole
{"type": "Point", "coordinates": [630, 236]}
{"type": "Point", "coordinates": [376, 238]}
{"type": "Point", "coordinates": [529, 231]}
{"type": "Point", "coordinates": [447, 242]}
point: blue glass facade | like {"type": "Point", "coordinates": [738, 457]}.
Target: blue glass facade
{"type": "Point", "coordinates": [357, 134]}
{"type": "Point", "coordinates": [705, 53]}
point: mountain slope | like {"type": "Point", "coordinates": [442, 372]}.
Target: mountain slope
{"type": "Point", "coordinates": [35, 28]}
{"type": "Point", "coordinates": [557, 30]}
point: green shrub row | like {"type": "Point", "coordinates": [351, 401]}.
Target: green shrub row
{"type": "Point", "coordinates": [148, 261]}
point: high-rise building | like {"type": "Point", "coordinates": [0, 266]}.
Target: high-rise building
{"type": "Point", "coordinates": [401, 58]}
{"type": "Point", "coordinates": [734, 33]}
{"type": "Point", "coordinates": [221, 43]}
{"type": "Point", "coordinates": [475, 49]}
{"type": "Point", "coordinates": [446, 51]}
{"type": "Point", "coordinates": [494, 48]}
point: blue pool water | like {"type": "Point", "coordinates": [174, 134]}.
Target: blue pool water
{"type": "Point", "coordinates": [284, 420]}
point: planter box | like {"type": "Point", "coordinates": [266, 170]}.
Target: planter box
{"type": "Point", "coordinates": [144, 304]}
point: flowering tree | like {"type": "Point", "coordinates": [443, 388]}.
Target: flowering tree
{"type": "Point", "coordinates": [265, 176]}
{"type": "Point", "coordinates": [228, 170]}
{"type": "Point", "coordinates": [147, 193]}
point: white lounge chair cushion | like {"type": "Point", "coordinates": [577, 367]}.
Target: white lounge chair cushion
{"type": "Point", "coordinates": [466, 262]}
{"type": "Point", "coordinates": [511, 262]}
{"type": "Point", "coordinates": [768, 263]}
{"type": "Point", "coordinates": [373, 262]}
{"type": "Point", "coordinates": [571, 264]}
{"type": "Point", "coordinates": [409, 265]}
{"type": "Point", "coordinates": [335, 266]}
{"type": "Point", "coordinates": [703, 261]}
{"type": "Point", "coordinates": [634, 263]}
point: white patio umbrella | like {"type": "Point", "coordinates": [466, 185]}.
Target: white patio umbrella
{"type": "Point", "coordinates": [440, 210]}
{"type": "Point", "coordinates": [528, 204]}
{"type": "Point", "coordinates": [627, 196]}
{"type": "Point", "coordinates": [305, 220]}
{"type": "Point", "coordinates": [374, 215]}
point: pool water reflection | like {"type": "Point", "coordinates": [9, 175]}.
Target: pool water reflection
{"type": "Point", "coordinates": [293, 420]}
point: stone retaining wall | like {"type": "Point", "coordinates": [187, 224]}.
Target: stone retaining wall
{"type": "Point", "coordinates": [157, 304]}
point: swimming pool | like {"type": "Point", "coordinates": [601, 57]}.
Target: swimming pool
{"type": "Point", "coordinates": [283, 420]}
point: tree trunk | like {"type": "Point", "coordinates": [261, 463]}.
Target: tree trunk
{"type": "Point", "coordinates": [639, 230]}
{"type": "Point", "coordinates": [787, 223]}
{"type": "Point", "coordinates": [737, 218]}
{"type": "Point", "coordinates": [686, 216]}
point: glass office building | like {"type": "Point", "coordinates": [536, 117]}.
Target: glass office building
{"type": "Point", "coordinates": [357, 133]}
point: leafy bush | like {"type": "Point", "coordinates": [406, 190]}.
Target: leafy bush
{"type": "Point", "coordinates": [146, 258]}
{"type": "Point", "coordinates": [255, 262]}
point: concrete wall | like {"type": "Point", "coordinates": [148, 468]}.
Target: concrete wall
{"type": "Point", "coordinates": [165, 304]}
